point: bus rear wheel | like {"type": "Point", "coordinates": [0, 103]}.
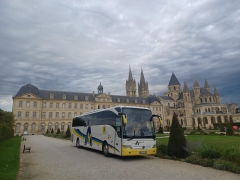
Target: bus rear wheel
{"type": "Point", "coordinates": [77, 143]}
{"type": "Point", "coordinates": [106, 150]}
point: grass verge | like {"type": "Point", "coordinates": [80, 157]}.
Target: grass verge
{"type": "Point", "coordinates": [10, 158]}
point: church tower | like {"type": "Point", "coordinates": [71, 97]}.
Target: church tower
{"type": "Point", "coordinates": [130, 85]}
{"type": "Point", "coordinates": [187, 105]}
{"type": "Point", "coordinates": [206, 86]}
{"type": "Point", "coordinates": [174, 87]}
{"type": "Point", "coordinates": [143, 86]}
{"type": "Point", "coordinates": [197, 94]}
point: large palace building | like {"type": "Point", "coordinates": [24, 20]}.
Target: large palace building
{"type": "Point", "coordinates": [37, 110]}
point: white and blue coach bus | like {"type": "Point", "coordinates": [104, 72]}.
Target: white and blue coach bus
{"type": "Point", "coordinates": [120, 130]}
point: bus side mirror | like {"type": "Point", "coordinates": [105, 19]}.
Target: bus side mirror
{"type": "Point", "coordinates": [160, 120]}
{"type": "Point", "coordinates": [124, 119]}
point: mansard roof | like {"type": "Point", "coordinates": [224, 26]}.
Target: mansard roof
{"type": "Point", "coordinates": [173, 81]}
{"type": "Point", "coordinates": [29, 88]}
{"type": "Point", "coordinates": [58, 95]}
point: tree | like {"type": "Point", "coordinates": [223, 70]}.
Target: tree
{"type": "Point", "coordinates": [47, 131]}
{"type": "Point", "coordinates": [177, 144]}
{"type": "Point", "coordinates": [52, 132]}
{"type": "Point", "coordinates": [221, 127]}
{"type": "Point", "coordinates": [7, 122]}
{"type": "Point", "coordinates": [58, 131]}
{"type": "Point", "coordinates": [229, 130]}
{"type": "Point", "coordinates": [68, 133]}
{"type": "Point", "coordinates": [160, 130]}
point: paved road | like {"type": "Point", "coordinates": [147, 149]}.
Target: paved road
{"type": "Point", "coordinates": [52, 158]}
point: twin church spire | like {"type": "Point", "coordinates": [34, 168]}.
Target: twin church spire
{"type": "Point", "coordinates": [131, 87]}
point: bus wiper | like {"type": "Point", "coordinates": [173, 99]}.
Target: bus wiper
{"type": "Point", "coordinates": [132, 136]}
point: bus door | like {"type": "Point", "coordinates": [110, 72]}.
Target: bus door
{"type": "Point", "coordinates": [118, 137]}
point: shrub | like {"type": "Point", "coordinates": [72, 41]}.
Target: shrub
{"type": "Point", "coordinates": [199, 129]}
{"type": "Point", "coordinates": [68, 133]}
{"type": "Point", "coordinates": [52, 132]}
{"type": "Point", "coordinates": [226, 165]}
{"type": "Point", "coordinates": [193, 132]}
{"type": "Point", "coordinates": [221, 127]}
{"type": "Point", "coordinates": [210, 154]}
{"type": "Point", "coordinates": [160, 130]}
{"type": "Point", "coordinates": [177, 144]}
{"type": "Point", "coordinates": [161, 149]}
{"type": "Point", "coordinates": [229, 130]}
{"type": "Point", "coordinates": [47, 131]}
{"type": "Point", "coordinates": [58, 131]}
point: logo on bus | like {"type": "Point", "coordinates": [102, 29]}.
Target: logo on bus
{"type": "Point", "coordinates": [104, 129]}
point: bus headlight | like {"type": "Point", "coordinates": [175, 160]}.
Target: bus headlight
{"type": "Point", "coordinates": [154, 146]}
{"type": "Point", "coordinates": [127, 146]}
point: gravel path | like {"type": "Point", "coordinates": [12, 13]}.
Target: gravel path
{"type": "Point", "coordinates": [52, 158]}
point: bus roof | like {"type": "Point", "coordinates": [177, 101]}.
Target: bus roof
{"type": "Point", "coordinates": [112, 109]}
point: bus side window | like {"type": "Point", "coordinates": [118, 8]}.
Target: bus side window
{"type": "Point", "coordinates": [118, 126]}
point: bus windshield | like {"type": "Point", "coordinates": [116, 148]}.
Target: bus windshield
{"type": "Point", "coordinates": [139, 124]}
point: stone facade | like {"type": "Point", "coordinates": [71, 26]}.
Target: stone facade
{"type": "Point", "coordinates": [37, 110]}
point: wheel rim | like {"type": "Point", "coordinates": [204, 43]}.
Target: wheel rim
{"type": "Point", "coordinates": [106, 149]}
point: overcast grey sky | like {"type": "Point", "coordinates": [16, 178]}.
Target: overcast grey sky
{"type": "Point", "coordinates": [72, 45]}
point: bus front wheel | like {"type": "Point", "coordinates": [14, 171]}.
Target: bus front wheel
{"type": "Point", "coordinates": [106, 149]}
{"type": "Point", "coordinates": [77, 143]}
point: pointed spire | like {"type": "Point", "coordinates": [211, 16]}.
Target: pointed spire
{"type": "Point", "coordinates": [215, 91]}
{"type": "Point", "coordinates": [142, 79]}
{"type": "Point", "coordinates": [130, 77]}
{"type": "Point", "coordinates": [173, 80]}
{"type": "Point", "coordinates": [195, 84]}
{"type": "Point", "coordinates": [185, 88]}
{"type": "Point", "coordinates": [206, 85]}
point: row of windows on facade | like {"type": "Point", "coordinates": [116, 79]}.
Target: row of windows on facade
{"type": "Point", "coordinates": [75, 106]}
{"type": "Point", "coordinates": [44, 105]}
{"type": "Point", "coordinates": [50, 114]}
{"type": "Point", "coordinates": [206, 99]}
{"type": "Point", "coordinates": [33, 127]}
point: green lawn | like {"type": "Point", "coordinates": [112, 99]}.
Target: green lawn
{"type": "Point", "coordinates": [208, 140]}
{"type": "Point", "coordinates": [10, 158]}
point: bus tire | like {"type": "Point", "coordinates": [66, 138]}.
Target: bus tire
{"type": "Point", "coordinates": [77, 143]}
{"type": "Point", "coordinates": [105, 149]}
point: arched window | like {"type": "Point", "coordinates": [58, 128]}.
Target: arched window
{"type": "Point", "coordinates": [210, 99]}
{"type": "Point", "coordinates": [18, 125]}
{"type": "Point", "coordinates": [219, 119]}
{"type": "Point", "coordinates": [199, 121]}
{"type": "Point", "coordinates": [212, 120]}
{"type": "Point", "coordinates": [62, 126]}
{"type": "Point", "coordinates": [56, 126]}
{"type": "Point", "coordinates": [201, 100]}
{"type": "Point", "coordinates": [174, 88]}
{"type": "Point", "coordinates": [33, 127]}
{"type": "Point", "coordinates": [26, 127]}
{"type": "Point", "coordinates": [208, 109]}
{"type": "Point", "coordinates": [205, 99]}
{"type": "Point", "coordinates": [43, 127]}
{"type": "Point", "coordinates": [50, 126]}
{"type": "Point", "coordinates": [205, 110]}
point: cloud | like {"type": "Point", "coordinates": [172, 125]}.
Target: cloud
{"type": "Point", "coordinates": [73, 45]}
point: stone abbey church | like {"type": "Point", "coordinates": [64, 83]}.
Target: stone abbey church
{"type": "Point", "coordinates": [37, 110]}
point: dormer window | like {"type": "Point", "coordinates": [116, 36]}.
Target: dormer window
{"type": "Point", "coordinates": [86, 98]}
{"type": "Point", "coordinates": [118, 100]}
{"type": "Point", "coordinates": [52, 96]}
{"type": "Point", "coordinates": [64, 96]}
{"type": "Point", "coordinates": [127, 100]}
{"type": "Point", "coordinates": [75, 97]}
{"type": "Point", "coordinates": [143, 101]}
{"type": "Point", "coordinates": [135, 100]}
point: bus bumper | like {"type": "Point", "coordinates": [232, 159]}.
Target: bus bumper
{"type": "Point", "coordinates": [137, 152]}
